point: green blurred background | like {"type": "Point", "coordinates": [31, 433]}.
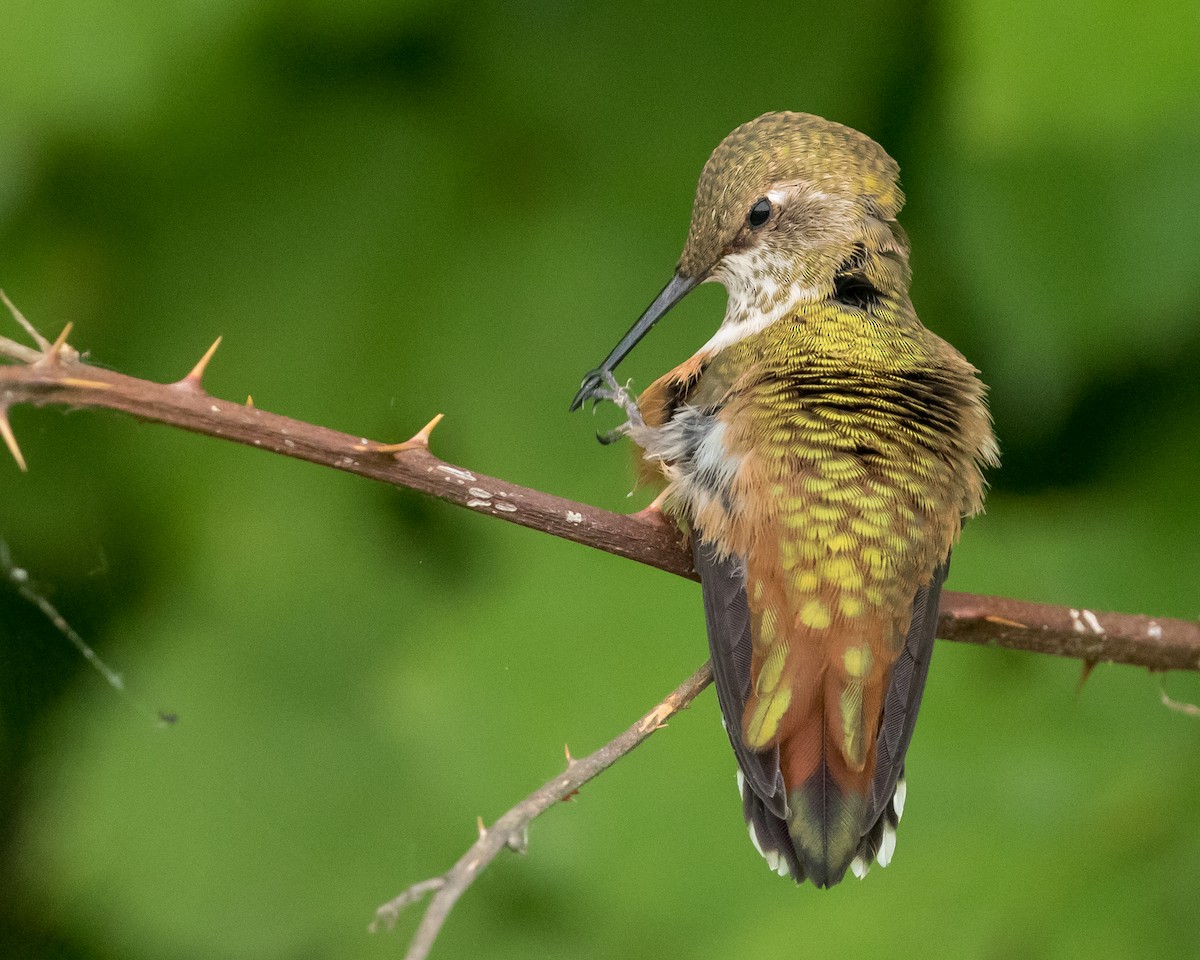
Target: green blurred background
{"type": "Point", "coordinates": [391, 210]}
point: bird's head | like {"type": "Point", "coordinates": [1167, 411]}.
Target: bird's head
{"type": "Point", "coordinates": [786, 205]}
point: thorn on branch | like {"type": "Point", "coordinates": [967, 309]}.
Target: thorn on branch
{"type": "Point", "coordinates": [54, 353]}
{"type": "Point", "coordinates": [418, 441]}
{"type": "Point", "coordinates": [10, 439]}
{"type": "Point", "coordinates": [1085, 672]}
{"type": "Point", "coordinates": [84, 384]}
{"type": "Point", "coordinates": [193, 380]}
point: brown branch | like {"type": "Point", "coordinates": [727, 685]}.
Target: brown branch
{"type": "Point", "coordinates": [511, 831]}
{"type": "Point", "coordinates": [42, 378]}
{"type": "Point", "coordinates": [66, 381]}
{"type": "Point", "coordinates": [55, 374]}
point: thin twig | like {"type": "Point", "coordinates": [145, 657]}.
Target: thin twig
{"type": "Point", "coordinates": [18, 577]}
{"type": "Point", "coordinates": [511, 831]}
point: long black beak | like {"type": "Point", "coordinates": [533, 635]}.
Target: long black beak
{"type": "Point", "coordinates": [679, 287]}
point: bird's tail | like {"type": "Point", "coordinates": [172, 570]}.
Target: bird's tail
{"type": "Point", "coordinates": [785, 855]}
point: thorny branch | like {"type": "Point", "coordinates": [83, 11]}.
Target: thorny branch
{"type": "Point", "coordinates": [55, 374]}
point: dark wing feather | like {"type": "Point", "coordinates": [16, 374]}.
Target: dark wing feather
{"type": "Point", "coordinates": [728, 617]}
{"type": "Point", "coordinates": [904, 693]}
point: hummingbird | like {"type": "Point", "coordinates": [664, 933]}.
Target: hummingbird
{"type": "Point", "coordinates": [822, 450]}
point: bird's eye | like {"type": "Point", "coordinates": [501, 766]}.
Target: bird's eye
{"type": "Point", "coordinates": [759, 213]}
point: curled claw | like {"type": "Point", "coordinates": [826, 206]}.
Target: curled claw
{"type": "Point", "coordinates": [600, 384]}
{"type": "Point", "coordinates": [588, 390]}
{"type": "Point", "coordinates": [612, 436]}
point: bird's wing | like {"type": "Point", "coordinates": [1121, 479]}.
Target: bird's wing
{"type": "Point", "coordinates": [727, 614]}
{"type": "Point", "coordinates": [903, 698]}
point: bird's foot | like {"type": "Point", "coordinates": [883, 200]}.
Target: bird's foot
{"type": "Point", "coordinates": [655, 509]}
{"type": "Point", "coordinates": [620, 395]}
{"type": "Point", "coordinates": [601, 385]}
{"type": "Point", "coordinates": [612, 391]}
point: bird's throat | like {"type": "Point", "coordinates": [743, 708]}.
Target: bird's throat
{"type": "Point", "coordinates": [763, 288]}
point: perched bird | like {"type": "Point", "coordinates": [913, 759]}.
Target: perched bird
{"type": "Point", "coordinates": [822, 449]}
